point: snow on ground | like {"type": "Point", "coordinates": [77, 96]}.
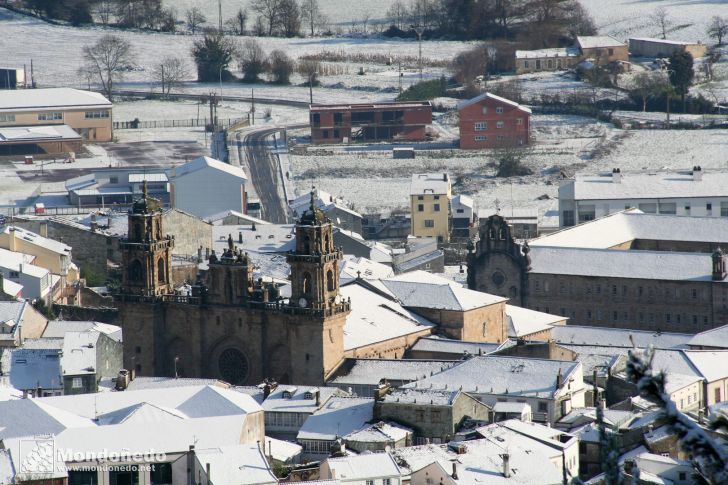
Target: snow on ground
{"type": "Point", "coordinates": [630, 18]}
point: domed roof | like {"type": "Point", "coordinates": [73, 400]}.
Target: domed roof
{"type": "Point", "coordinates": [313, 216]}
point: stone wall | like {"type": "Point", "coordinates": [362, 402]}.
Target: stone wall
{"type": "Point", "coordinates": [190, 232]}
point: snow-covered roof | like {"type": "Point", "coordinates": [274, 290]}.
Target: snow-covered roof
{"type": "Point", "coordinates": [51, 98]}
{"type": "Point", "coordinates": [546, 53]}
{"type": "Point", "coordinates": [338, 417]}
{"type": "Point", "coordinates": [523, 322]}
{"type": "Point", "coordinates": [462, 201]}
{"type": "Point", "coordinates": [551, 437]}
{"type": "Point", "coordinates": [24, 417]}
{"type": "Point", "coordinates": [282, 451]}
{"type": "Point", "coordinates": [38, 240]}
{"type": "Point", "coordinates": [491, 374]}
{"type": "Point", "coordinates": [449, 346]}
{"type": "Point", "coordinates": [323, 200]}
{"type": "Point", "coordinates": [481, 97]}
{"type": "Point", "coordinates": [12, 310]}
{"type": "Point", "coordinates": [245, 217]}
{"type": "Point", "coordinates": [430, 183]}
{"type": "Point", "coordinates": [369, 466]}
{"type": "Point", "coordinates": [717, 337]}
{"type": "Point", "coordinates": [202, 163]}
{"type": "Point", "coordinates": [149, 177]}
{"type": "Point", "coordinates": [193, 401]}
{"type": "Point", "coordinates": [649, 185]}
{"type": "Point", "coordinates": [140, 383]}
{"type": "Point", "coordinates": [37, 134]}
{"type": "Point", "coordinates": [374, 318]}
{"type": "Point", "coordinates": [298, 402]}
{"type": "Point", "coordinates": [79, 353]}
{"type": "Point", "coordinates": [420, 289]}
{"type": "Point", "coordinates": [482, 460]}
{"type": "Point", "coordinates": [353, 268]}
{"type": "Point", "coordinates": [7, 468]}
{"type": "Point", "coordinates": [663, 41]}
{"type": "Point", "coordinates": [140, 413]}
{"type": "Point", "coordinates": [59, 328]}
{"type": "Point", "coordinates": [381, 432]}
{"type": "Point", "coordinates": [11, 288]}
{"type": "Point", "coordinates": [618, 337]}
{"type": "Point", "coordinates": [711, 364]}
{"type": "Point", "coordinates": [597, 41]}
{"type": "Point", "coordinates": [649, 265]}
{"type": "Point", "coordinates": [511, 407]}
{"type": "Point", "coordinates": [243, 464]}
{"type": "Point", "coordinates": [370, 371]}
{"type": "Point", "coordinates": [422, 396]}
{"type": "Point", "coordinates": [267, 238]}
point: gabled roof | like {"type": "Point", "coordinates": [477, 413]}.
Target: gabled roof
{"type": "Point", "coordinates": [365, 466]}
{"type": "Point", "coordinates": [38, 240]}
{"type": "Point", "coordinates": [492, 374]}
{"type": "Point", "coordinates": [59, 328]}
{"type": "Point", "coordinates": [381, 432]}
{"type": "Point", "coordinates": [338, 417]}
{"type": "Point", "coordinates": [140, 413]}
{"type": "Point", "coordinates": [419, 289]}
{"type": "Point", "coordinates": [50, 98]}
{"type": "Point", "coordinates": [35, 368]}
{"type": "Point", "coordinates": [717, 337]}
{"type": "Point", "coordinates": [523, 321]}
{"type": "Point", "coordinates": [598, 41]}
{"type": "Point", "coordinates": [429, 183]}
{"type": "Point", "coordinates": [24, 417]}
{"type": "Point", "coordinates": [242, 464]}
{"type": "Point", "coordinates": [618, 337]}
{"type": "Point", "coordinates": [206, 162]}
{"type": "Point", "coordinates": [481, 97]}
{"type": "Point", "coordinates": [79, 353]}
{"type": "Point", "coordinates": [370, 371]}
{"type": "Point", "coordinates": [374, 318]}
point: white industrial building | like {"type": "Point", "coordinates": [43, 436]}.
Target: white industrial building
{"type": "Point", "coordinates": [687, 193]}
{"type": "Point", "coordinates": [205, 187]}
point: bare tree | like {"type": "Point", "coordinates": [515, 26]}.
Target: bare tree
{"type": "Point", "coordinates": [269, 10]}
{"type": "Point", "coordinates": [170, 73]}
{"type": "Point", "coordinates": [309, 68]}
{"type": "Point", "coordinates": [718, 28]}
{"type": "Point", "coordinates": [648, 85]}
{"type": "Point", "coordinates": [252, 61]}
{"type": "Point", "coordinates": [107, 59]}
{"type": "Point", "coordinates": [311, 15]}
{"type": "Point", "coordinates": [195, 19]}
{"type": "Point", "coordinates": [281, 67]}
{"type": "Point", "coordinates": [105, 10]}
{"type": "Point", "coordinates": [238, 22]}
{"type": "Point", "coordinates": [662, 21]}
{"type": "Point", "coordinates": [290, 18]}
{"type": "Point", "coordinates": [397, 14]}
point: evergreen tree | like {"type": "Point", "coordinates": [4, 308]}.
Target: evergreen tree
{"type": "Point", "coordinates": [681, 73]}
{"type": "Point", "coordinates": [213, 54]}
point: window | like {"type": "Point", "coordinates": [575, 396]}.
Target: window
{"type": "Point", "coordinates": [420, 197]}
{"type": "Point", "coordinates": [485, 110]}
{"type": "Point", "coordinates": [648, 208]}
{"type": "Point", "coordinates": [481, 138]}
{"type": "Point", "coordinates": [336, 134]}
{"type": "Point", "coordinates": [550, 63]}
{"type": "Point", "coordinates": [161, 474]}
{"type": "Point", "coordinates": [682, 476]}
{"type": "Point", "coordinates": [501, 137]}
{"type": "Point", "coordinates": [429, 223]}
{"type": "Point", "coordinates": [52, 116]}
{"type": "Point", "coordinates": [525, 64]}
{"type": "Point", "coordinates": [370, 482]}
{"type": "Point", "coordinates": [724, 209]}
{"type": "Point", "coordinates": [611, 51]}
{"type": "Point", "coordinates": [77, 383]}
{"type": "Point", "coordinates": [15, 274]}
{"type": "Point", "coordinates": [326, 133]}
{"type": "Point", "coordinates": [420, 207]}
{"type": "Point", "coordinates": [568, 218]}
{"type": "Point", "coordinates": [7, 118]}
{"type": "Point", "coordinates": [86, 477]}
{"type": "Point", "coordinates": [435, 416]}
{"type": "Point", "coordinates": [436, 207]}
{"type": "Point", "coordinates": [316, 119]}
{"type": "Point", "coordinates": [480, 126]}
{"type": "Point", "coordinates": [542, 407]}
{"type": "Point", "coordinates": [499, 110]}
{"type": "Point", "coordinates": [436, 197]}
{"type": "Point", "coordinates": [103, 114]}
{"type": "Point", "coordinates": [386, 481]}
{"type": "Point", "coordinates": [419, 416]}
{"type": "Point", "coordinates": [500, 124]}
{"type": "Point", "coordinates": [668, 208]}
{"type": "Point", "coordinates": [709, 208]}
{"type": "Point", "coordinates": [519, 121]}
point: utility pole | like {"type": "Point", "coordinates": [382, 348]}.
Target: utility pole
{"type": "Point", "coordinates": [420, 31]}
{"type": "Point", "coordinates": [252, 105]}
{"type": "Point", "coordinates": [310, 87]}
{"type": "Point", "coordinates": [219, 13]}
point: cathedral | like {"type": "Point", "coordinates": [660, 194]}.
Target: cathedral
{"type": "Point", "coordinates": [231, 327]}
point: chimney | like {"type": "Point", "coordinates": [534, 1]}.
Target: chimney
{"type": "Point", "coordinates": [207, 253]}
{"type": "Point", "coordinates": [444, 177]}
{"type": "Point", "coordinates": [199, 254]}
{"type": "Point", "coordinates": [701, 416]}
{"type": "Point", "coordinates": [108, 222]}
{"type": "Point", "coordinates": [207, 472]}
{"type": "Point", "coordinates": [44, 228]}
{"type": "Point", "coordinates": [616, 175]}
{"type": "Point", "coordinates": [559, 379]}
{"type": "Point", "coordinates": [11, 242]}
{"type": "Point", "coordinates": [697, 173]}
{"type": "Point", "coordinates": [94, 224]}
{"type": "Point", "coordinates": [240, 237]}
{"type": "Point", "coordinates": [191, 466]}
{"type": "Point", "coordinates": [318, 398]}
{"type": "Point", "coordinates": [506, 465]}
{"type": "Point", "coordinates": [454, 471]}
{"type": "Point", "coordinates": [719, 266]}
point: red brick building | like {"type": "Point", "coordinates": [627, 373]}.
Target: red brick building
{"type": "Point", "coordinates": [337, 123]}
{"type": "Point", "coordinates": [489, 121]}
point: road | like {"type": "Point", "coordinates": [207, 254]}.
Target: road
{"type": "Point", "coordinates": [197, 97]}
{"type": "Point", "coordinates": [265, 172]}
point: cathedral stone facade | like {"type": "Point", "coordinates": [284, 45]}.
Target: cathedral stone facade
{"type": "Point", "coordinates": [232, 327]}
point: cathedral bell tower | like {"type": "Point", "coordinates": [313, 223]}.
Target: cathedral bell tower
{"type": "Point", "coordinates": [315, 262]}
{"type": "Point", "coordinates": [146, 252]}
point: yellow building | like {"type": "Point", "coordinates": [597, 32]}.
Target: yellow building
{"type": "Point", "coordinates": [86, 112]}
{"type": "Point", "coordinates": [430, 195]}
